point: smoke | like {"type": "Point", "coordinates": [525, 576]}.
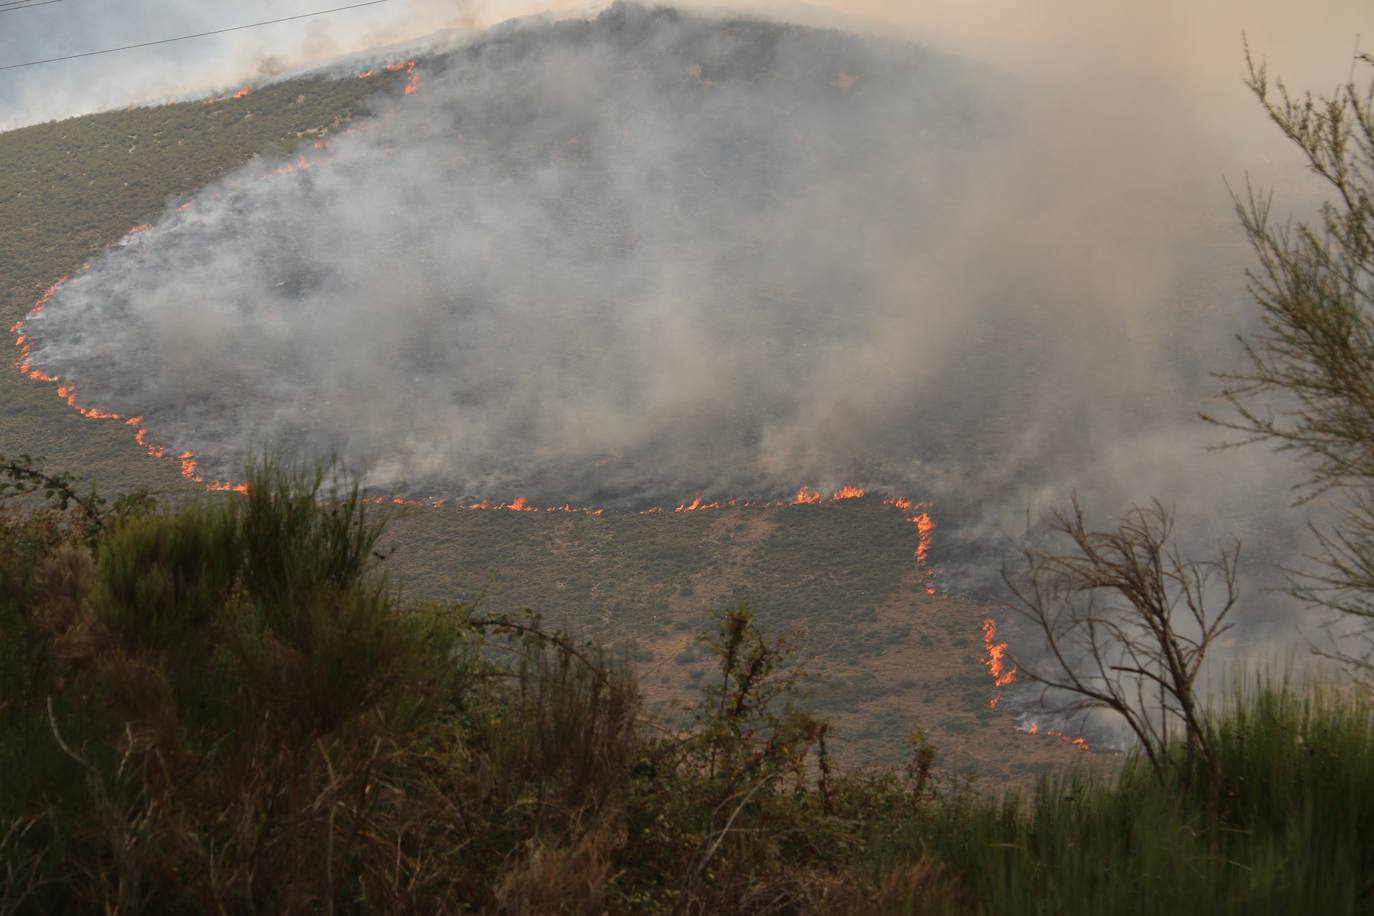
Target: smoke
{"type": "Point", "coordinates": [638, 255]}
{"type": "Point", "coordinates": [655, 255]}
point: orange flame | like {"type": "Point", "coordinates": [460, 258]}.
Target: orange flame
{"type": "Point", "coordinates": [848, 492]}
{"type": "Point", "coordinates": [1002, 669]}
{"type": "Point", "coordinates": [806, 497]}
{"type": "Point", "coordinates": [697, 505]}
{"type": "Point", "coordinates": [243, 93]}
{"type": "Point", "coordinates": [1080, 743]}
{"type": "Point", "coordinates": [188, 467]}
{"type": "Point", "coordinates": [925, 527]}
{"type": "Point", "coordinates": [408, 66]}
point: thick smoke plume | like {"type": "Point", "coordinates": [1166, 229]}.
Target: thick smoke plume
{"type": "Point", "coordinates": [655, 255]}
{"type": "Point", "coordinates": [637, 255]}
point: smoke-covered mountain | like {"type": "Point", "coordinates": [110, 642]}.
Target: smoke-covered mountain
{"type": "Point", "coordinates": [642, 254]}
{"type": "Point", "coordinates": [652, 255]}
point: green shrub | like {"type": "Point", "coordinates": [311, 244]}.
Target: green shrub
{"type": "Point", "coordinates": [228, 708]}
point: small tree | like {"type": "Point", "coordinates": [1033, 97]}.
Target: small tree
{"type": "Point", "coordinates": [1308, 385]}
{"type": "Point", "coordinates": [1127, 623]}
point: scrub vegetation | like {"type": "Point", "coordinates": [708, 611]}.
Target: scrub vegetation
{"type": "Point", "coordinates": [226, 707]}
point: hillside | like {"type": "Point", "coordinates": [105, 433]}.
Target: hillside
{"type": "Point", "coordinates": [72, 188]}
{"type": "Point", "coordinates": [888, 656]}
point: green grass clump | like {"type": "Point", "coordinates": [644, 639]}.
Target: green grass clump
{"type": "Point", "coordinates": [1289, 828]}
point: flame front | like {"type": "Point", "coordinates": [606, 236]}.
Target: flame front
{"type": "Point", "coordinates": [413, 84]}
{"type": "Point", "coordinates": [1033, 728]}
{"type": "Point", "coordinates": [1002, 669]}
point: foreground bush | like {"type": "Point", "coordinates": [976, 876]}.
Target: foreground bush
{"type": "Point", "coordinates": [227, 708]}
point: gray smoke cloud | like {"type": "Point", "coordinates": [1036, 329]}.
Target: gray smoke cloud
{"type": "Point", "coordinates": [654, 255]}
{"type": "Point", "coordinates": [634, 255]}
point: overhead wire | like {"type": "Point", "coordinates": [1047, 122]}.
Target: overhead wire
{"type": "Point", "coordinates": [164, 41]}
{"type": "Point", "coordinates": [16, 5]}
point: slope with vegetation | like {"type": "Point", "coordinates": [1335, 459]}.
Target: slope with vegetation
{"type": "Point", "coordinates": [226, 708]}
{"type": "Point", "coordinates": [71, 188]}
{"type": "Point", "coordinates": [840, 579]}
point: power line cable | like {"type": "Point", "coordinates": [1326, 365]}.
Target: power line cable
{"type": "Point", "coordinates": [25, 5]}
{"type": "Point", "coordinates": [164, 41]}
